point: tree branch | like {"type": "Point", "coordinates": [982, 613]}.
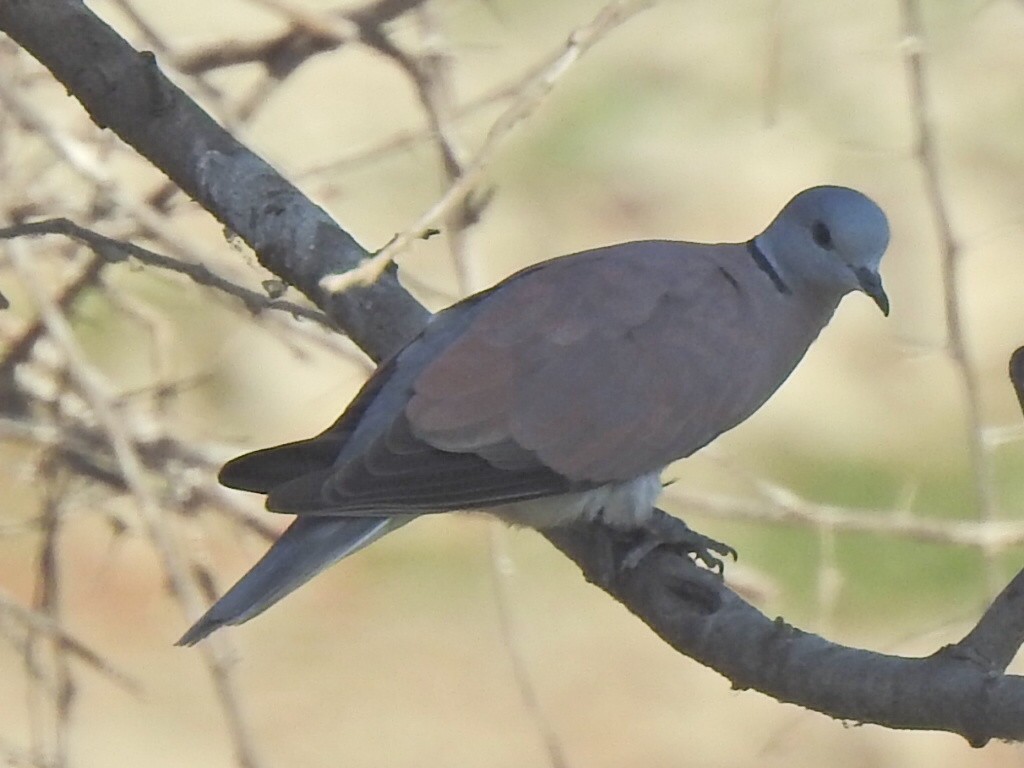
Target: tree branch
{"type": "Point", "coordinates": [957, 689]}
{"type": "Point", "coordinates": [109, 251]}
{"type": "Point", "coordinates": [124, 89]}
{"type": "Point", "coordinates": [960, 689]}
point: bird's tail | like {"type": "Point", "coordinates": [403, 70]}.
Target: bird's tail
{"type": "Point", "coordinates": [309, 545]}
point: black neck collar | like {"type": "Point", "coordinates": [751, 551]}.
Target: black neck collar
{"type": "Point", "coordinates": [766, 266]}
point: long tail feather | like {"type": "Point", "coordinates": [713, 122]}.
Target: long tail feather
{"type": "Point", "coordinates": [308, 546]}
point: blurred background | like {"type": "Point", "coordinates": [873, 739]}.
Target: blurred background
{"type": "Point", "coordinates": [876, 499]}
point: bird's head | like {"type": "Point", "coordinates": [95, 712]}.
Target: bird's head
{"type": "Point", "coordinates": [831, 238]}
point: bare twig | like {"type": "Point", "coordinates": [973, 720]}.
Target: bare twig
{"type": "Point", "coordinates": [440, 103]}
{"type": "Point", "coordinates": [406, 139]}
{"type": "Point", "coordinates": [94, 390]}
{"type": "Point", "coordinates": [49, 600]}
{"type": "Point", "coordinates": [914, 46]}
{"type": "Point", "coordinates": [89, 166]}
{"type": "Point", "coordinates": [43, 624]}
{"type": "Point", "coordinates": [580, 41]}
{"type": "Point", "coordinates": [309, 34]}
{"type": "Point", "coordinates": [114, 251]}
{"type": "Point", "coordinates": [500, 573]}
{"type": "Point", "coordinates": [795, 511]}
{"type": "Point", "coordinates": [19, 349]}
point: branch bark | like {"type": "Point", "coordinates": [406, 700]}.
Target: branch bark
{"type": "Point", "coordinates": [961, 688]}
{"type": "Point", "coordinates": [123, 89]}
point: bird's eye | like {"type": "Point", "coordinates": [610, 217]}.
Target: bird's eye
{"type": "Point", "coordinates": [821, 234]}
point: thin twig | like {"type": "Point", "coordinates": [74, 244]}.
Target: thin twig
{"type": "Point", "coordinates": [500, 572]}
{"type": "Point", "coordinates": [579, 42]}
{"type": "Point", "coordinates": [995, 534]}
{"type": "Point", "coordinates": [406, 139]}
{"type": "Point", "coordinates": [49, 599]}
{"type": "Point", "coordinates": [87, 164]}
{"type": "Point", "coordinates": [440, 103]}
{"type": "Point", "coordinates": [114, 251]}
{"type": "Point", "coordinates": [982, 472]}
{"type": "Point", "coordinates": [21, 347]}
{"type": "Point", "coordinates": [43, 624]}
{"type": "Point", "coordinates": [94, 390]}
{"type": "Point", "coordinates": [309, 34]}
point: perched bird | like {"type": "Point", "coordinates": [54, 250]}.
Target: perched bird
{"type": "Point", "coordinates": [561, 393]}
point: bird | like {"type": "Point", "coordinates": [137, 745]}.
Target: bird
{"type": "Point", "coordinates": [559, 395]}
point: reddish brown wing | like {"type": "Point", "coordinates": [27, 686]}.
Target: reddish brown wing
{"type": "Point", "coordinates": [591, 369]}
{"type": "Point", "coordinates": [603, 370]}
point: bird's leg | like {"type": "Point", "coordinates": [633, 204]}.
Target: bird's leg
{"type": "Point", "coordinates": [663, 530]}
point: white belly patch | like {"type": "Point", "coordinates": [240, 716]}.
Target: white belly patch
{"type": "Point", "coordinates": [621, 505]}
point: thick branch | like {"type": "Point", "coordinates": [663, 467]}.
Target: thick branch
{"type": "Point", "coordinates": [123, 89]}
{"type": "Point", "coordinates": [690, 608]}
{"type": "Point", "coordinates": [955, 689]}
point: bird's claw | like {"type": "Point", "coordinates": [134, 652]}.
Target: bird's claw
{"type": "Point", "coordinates": [674, 534]}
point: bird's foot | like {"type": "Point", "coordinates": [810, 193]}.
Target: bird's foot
{"type": "Point", "coordinates": [662, 530]}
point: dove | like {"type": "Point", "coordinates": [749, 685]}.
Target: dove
{"type": "Point", "coordinates": [559, 395]}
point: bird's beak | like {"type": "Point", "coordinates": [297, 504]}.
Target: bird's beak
{"type": "Point", "coordinates": [871, 283]}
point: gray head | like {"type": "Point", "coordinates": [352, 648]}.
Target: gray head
{"type": "Point", "coordinates": [830, 238]}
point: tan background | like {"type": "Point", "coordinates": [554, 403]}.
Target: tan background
{"type": "Point", "coordinates": [671, 127]}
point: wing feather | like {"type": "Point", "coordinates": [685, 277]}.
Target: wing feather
{"type": "Point", "coordinates": [512, 410]}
